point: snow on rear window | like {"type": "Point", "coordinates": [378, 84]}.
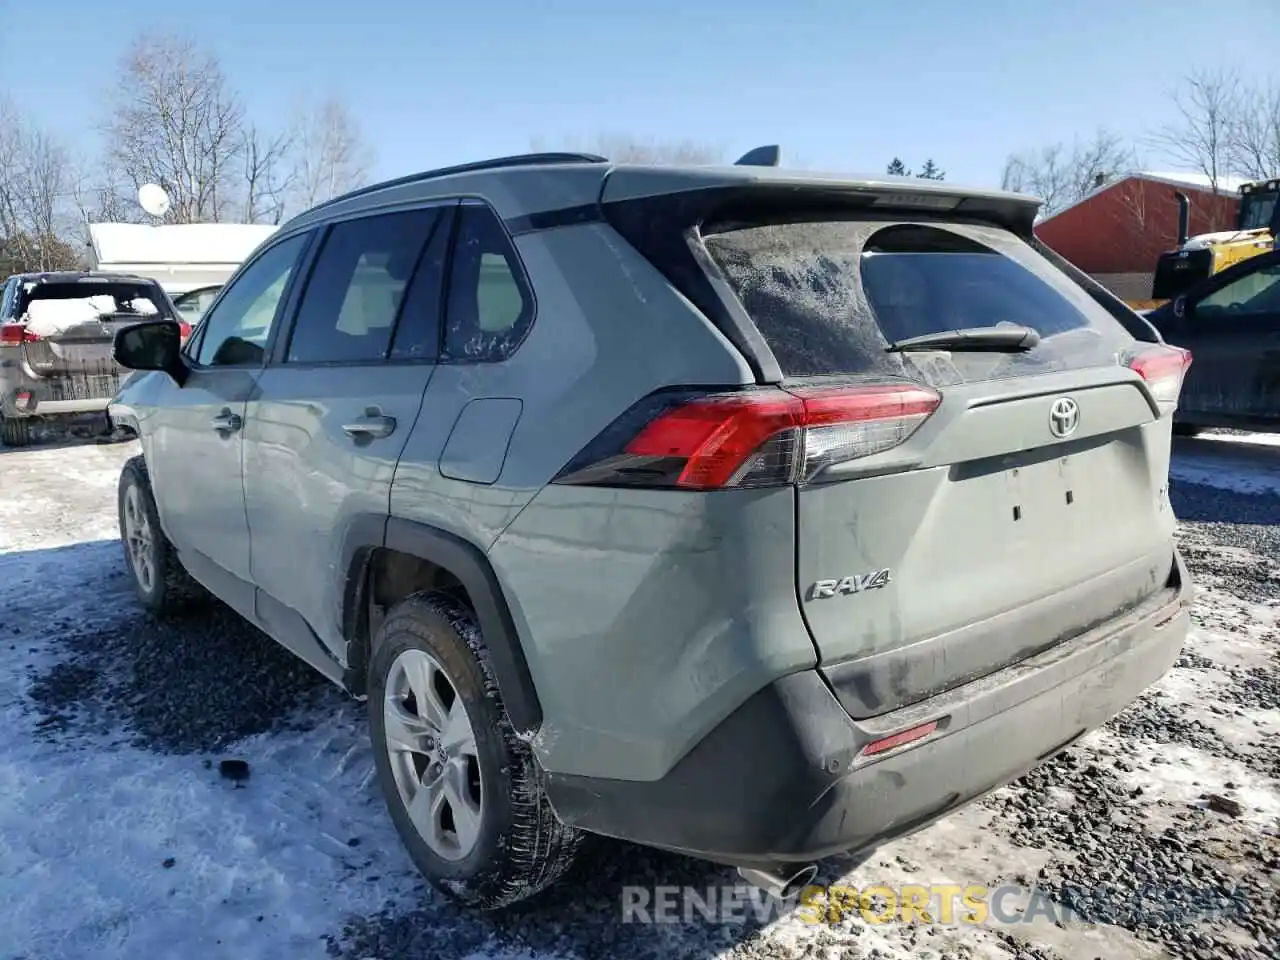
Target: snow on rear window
{"type": "Point", "coordinates": [830, 295]}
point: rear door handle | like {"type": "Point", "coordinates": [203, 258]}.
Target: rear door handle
{"type": "Point", "coordinates": [226, 422]}
{"type": "Point", "coordinates": [371, 426]}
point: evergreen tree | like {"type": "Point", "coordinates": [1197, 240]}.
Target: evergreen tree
{"type": "Point", "coordinates": [896, 169]}
{"type": "Point", "coordinates": [930, 171]}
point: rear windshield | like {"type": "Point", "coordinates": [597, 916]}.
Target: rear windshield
{"type": "Point", "coordinates": [72, 302]}
{"type": "Point", "coordinates": [829, 296]}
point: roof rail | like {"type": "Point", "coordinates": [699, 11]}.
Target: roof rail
{"type": "Point", "coordinates": [498, 163]}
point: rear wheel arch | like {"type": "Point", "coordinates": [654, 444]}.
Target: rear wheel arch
{"type": "Point", "coordinates": [410, 557]}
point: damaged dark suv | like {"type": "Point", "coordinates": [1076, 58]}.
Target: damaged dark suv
{"type": "Point", "coordinates": [56, 331]}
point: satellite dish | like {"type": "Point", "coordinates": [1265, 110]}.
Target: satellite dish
{"type": "Point", "coordinates": [153, 199]}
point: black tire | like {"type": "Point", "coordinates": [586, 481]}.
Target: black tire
{"type": "Point", "coordinates": [521, 846]}
{"type": "Point", "coordinates": [171, 590]}
{"type": "Point", "coordinates": [15, 431]}
{"type": "Point", "coordinates": [1186, 429]}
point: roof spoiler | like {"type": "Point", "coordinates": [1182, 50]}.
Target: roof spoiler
{"type": "Point", "coordinates": [767, 156]}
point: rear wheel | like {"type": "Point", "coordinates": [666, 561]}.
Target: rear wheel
{"type": "Point", "coordinates": [158, 577]}
{"type": "Point", "coordinates": [463, 791]}
{"type": "Point", "coordinates": [15, 431]}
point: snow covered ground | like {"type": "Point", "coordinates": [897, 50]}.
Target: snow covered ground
{"type": "Point", "coordinates": [119, 838]}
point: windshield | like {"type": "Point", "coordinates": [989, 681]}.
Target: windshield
{"type": "Point", "coordinates": [1258, 210]}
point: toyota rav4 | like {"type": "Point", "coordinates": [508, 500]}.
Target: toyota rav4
{"type": "Point", "coordinates": [755, 515]}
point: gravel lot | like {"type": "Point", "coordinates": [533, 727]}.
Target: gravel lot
{"type": "Point", "coordinates": [121, 839]}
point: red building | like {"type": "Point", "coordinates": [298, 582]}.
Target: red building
{"type": "Point", "coordinates": [1116, 233]}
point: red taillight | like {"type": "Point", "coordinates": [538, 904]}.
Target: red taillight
{"type": "Point", "coordinates": [13, 334]}
{"type": "Point", "coordinates": [184, 329]}
{"type": "Point", "coordinates": [1163, 368]}
{"type": "Point", "coordinates": [885, 744]}
{"type": "Point", "coordinates": [761, 438]}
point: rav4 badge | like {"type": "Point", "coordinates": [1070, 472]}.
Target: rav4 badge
{"type": "Point", "coordinates": [823, 589]}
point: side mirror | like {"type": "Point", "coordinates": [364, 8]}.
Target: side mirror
{"type": "Point", "coordinates": [1180, 306]}
{"type": "Point", "coordinates": [151, 345]}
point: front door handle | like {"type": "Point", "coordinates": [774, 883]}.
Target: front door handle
{"type": "Point", "coordinates": [371, 426]}
{"type": "Point", "coordinates": [226, 422]}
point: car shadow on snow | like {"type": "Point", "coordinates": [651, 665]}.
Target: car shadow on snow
{"type": "Point", "coordinates": [683, 914]}
{"type": "Point", "coordinates": [189, 684]}
{"type": "Point", "coordinates": [102, 670]}
{"type": "Point", "coordinates": [88, 430]}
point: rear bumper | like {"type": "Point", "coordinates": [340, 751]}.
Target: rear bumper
{"type": "Point", "coordinates": [24, 395]}
{"type": "Point", "coordinates": [781, 779]}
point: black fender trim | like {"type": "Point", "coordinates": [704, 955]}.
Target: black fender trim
{"type": "Point", "coordinates": [365, 533]}
{"type": "Point", "coordinates": [469, 564]}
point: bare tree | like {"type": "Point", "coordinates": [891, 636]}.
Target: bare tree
{"type": "Point", "coordinates": [268, 175]}
{"type": "Point", "coordinates": [176, 122]}
{"type": "Point", "coordinates": [1208, 119]}
{"type": "Point", "coordinates": [330, 155]}
{"type": "Point", "coordinates": [1255, 139]}
{"type": "Point", "coordinates": [105, 196]}
{"type": "Point", "coordinates": [1132, 196]}
{"type": "Point", "coordinates": [35, 181]}
{"type": "Point", "coordinates": [623, 148]}
{"type": "Point", "coordinates": [1061, 175]}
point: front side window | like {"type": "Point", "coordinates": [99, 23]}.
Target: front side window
{"type": "Point", "coordinates": [193, 304]}
{"type": "Point", "coordinates": [236, 331]}
{"type": "Point", "coordinates": [1255, 293]}
{"type": "Point", "coordinates": [354, 296]}
{"type": "Point", "coordinates": [490, 308]}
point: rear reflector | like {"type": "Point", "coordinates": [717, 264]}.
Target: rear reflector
{"type": "Point", "coordinates": [758, 438]}
{"type": "Point", "coordinates": [899, 739]}
{"type": "Point", "coordinates": [13, 334]}
{"type": "Point", "coordinates": [1163, 368]}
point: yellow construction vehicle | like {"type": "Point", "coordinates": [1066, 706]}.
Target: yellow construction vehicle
{"type": "Point", "coordinates": [1195, 258]}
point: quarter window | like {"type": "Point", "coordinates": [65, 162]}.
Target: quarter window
{"type": "Point", "coordinates": [349, 310]}
{"type": "Point", "coordinates": [236, 331]}
{"type": "Point", "coordinates": [490, 308]}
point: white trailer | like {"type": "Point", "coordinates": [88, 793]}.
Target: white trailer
{"type": "Point", "coordinates": [182, 257]}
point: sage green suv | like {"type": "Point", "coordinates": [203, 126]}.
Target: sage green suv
{"type": "Point", "coordinates": [751, 514]}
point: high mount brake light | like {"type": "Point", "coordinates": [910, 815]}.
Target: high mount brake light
{"type": "Point", "coordinates": [1163, 368]}
{"type": "Point", "coordinates": [14, 334]}
{"type": "Point", "coordinates": [758, 438]}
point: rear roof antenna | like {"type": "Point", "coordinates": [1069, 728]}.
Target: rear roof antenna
{"type": "Point", "coordinates": [761, 157]}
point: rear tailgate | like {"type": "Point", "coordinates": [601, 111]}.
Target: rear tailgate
{"type": "Point", "coordinates": [1029, 506]}
{"type": "Point", "coordinates": [76, 361]}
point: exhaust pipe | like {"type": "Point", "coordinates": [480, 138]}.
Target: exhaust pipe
{"type": "Point", "coordinates": [1184, 217]}
{"type": "Point", "coordinates": [783, 887]}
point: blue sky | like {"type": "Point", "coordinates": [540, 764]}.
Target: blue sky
{"type": "Point", "coordinates": [842, 84]}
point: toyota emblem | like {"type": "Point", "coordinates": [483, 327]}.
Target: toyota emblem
{"type": "Point", "coordinates": [1064, 417]}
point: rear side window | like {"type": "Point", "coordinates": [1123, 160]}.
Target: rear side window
{"type": "Point", "coordinates": [6, 300]}
{"type": "Point", "coordinates": [829, 296]}
{"type": "Point", "coordinates": [353, 297]}
{"type": "Point", "coordinates": [490, 308]}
